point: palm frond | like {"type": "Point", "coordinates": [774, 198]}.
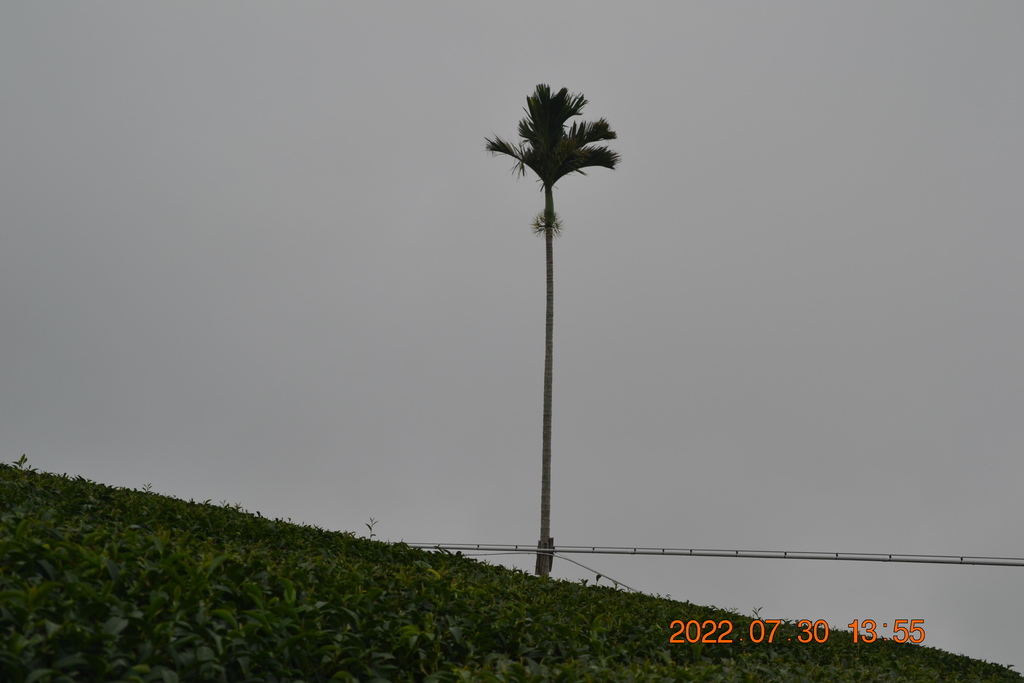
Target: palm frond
{"type": "Point", "coordinates": [588, 132]}
{"type": "Point", "coordinates": [600, 156]}
{"type": "Point", "coordinates": [546, 115]}
{"type": "Point", "coordinates": [498, 146]}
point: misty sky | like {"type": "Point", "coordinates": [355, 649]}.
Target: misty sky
{"type": "Point", "coordinates": [256, 253]}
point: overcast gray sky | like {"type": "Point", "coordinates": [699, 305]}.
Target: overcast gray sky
{"type": "Point", "coordinates": [256, 253]}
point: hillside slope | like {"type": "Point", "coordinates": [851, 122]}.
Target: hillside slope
{"type": "Point", "coordinates": [110, 584]}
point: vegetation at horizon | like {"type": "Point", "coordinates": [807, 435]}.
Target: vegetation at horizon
{"type": "Point", "coordinates": [99, 583]}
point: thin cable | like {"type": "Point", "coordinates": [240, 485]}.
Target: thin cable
{"type": "Point", "coordinates": [753, 554]}
{"type": "Point", "coordinates": [599, 574]}
{"type": "Point", "coordinates": [567, 559]}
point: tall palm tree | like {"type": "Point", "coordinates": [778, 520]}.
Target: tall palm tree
{"type": "Point", "coordinates": [552, 152]}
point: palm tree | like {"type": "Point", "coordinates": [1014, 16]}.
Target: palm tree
{"type": "Point", "coordinates": [552, 152]}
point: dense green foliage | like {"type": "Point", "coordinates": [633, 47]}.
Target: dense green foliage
{"type": "Point", "coordinates": [110, 584]}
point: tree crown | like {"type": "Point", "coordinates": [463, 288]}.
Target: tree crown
{"type": "Point", "coordinates": [547, 148]}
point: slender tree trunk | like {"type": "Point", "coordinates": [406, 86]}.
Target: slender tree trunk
{"type": "Point", "coordinates": [544, 560]}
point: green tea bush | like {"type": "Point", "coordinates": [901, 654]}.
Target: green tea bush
{"type": "Point", "coordinates": [111, 584]}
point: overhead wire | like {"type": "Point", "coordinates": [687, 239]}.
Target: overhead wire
{"type": "Point", "coordinates": [599, 575]}
{"type": "Point", "coordinates": [751, 554]}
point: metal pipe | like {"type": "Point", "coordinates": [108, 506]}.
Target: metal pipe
{"type": "Point", "coordinates": [754, 554]}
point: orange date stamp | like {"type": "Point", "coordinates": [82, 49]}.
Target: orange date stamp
{"type": "Point", "coordinates": [765, 630]}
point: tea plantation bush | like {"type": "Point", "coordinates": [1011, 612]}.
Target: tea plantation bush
{"type": "Point", "coordinates": [110, 584]}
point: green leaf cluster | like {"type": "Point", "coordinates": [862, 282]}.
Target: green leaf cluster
{"type": "Point", "coordinates": [549, 149]}
{"type": "Point", "coordinates": [112, 584]}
